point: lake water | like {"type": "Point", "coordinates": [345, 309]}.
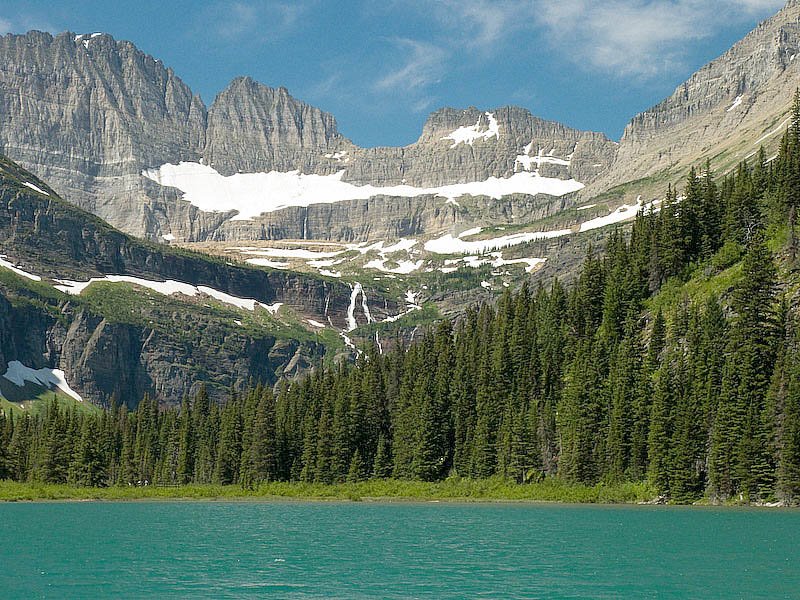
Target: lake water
{"type": "Point", "coordinates": [366, 550]}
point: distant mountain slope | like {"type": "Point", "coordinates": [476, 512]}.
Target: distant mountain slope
{"type": "Point", "coordinates": [723, 112]}
{"type": "Point", "coordinates": [181, 320]}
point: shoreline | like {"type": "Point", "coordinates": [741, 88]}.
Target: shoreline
{"type": "Point", "coordinates": [491, 491]}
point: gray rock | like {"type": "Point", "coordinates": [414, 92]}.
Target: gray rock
{"type": "Point", "coordinates": [162, 348]}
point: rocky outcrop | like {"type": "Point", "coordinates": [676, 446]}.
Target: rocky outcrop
{"type": "Point", "coordinates": [104, 360]}
{"type": "Point", "coordinates": [61, 242]}
{"type": "Point", "coordinates": [253, 128]}
{"type": "Point", "coordinates": [435, 159]}
{"type": "Point", "coordinates": [86, 112]}
{"type": "Point", "coordinates": [386, 217]}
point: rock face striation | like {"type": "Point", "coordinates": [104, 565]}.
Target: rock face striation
{"type": "Point", "coordinates": [97, 118]}
{"type": "Point", "coordinates": [91, 114]}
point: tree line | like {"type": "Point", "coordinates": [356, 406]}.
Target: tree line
{"type": "Point", "coordinates": [622, 376]}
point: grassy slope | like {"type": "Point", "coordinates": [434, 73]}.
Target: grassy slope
{"type": "Point", "coordinates": [37, 404]}
{"type": "Point", "coordinates": [719, 275]}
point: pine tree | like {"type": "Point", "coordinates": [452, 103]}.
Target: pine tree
{"type": "Point", "coordinates": [185, 466]}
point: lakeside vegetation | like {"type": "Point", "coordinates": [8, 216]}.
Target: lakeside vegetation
{"type": "Point", "coordinates": [454, 490]}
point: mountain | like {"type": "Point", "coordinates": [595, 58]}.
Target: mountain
{"type": "Point", "coordinates": [724, 112]}
{"type": "Point", "coordinates": [354, 244]}
{"type": "Point", "coordinates": [102, 122]}
{"type": "Point", "coordinates": [109, 316]}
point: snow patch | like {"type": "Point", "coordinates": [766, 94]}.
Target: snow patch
{"type": "Point", "coordinates": [252, 194]}
{"type": "Point", "coordinates": [455, 245]}
{"type": "Point", "coordinates": [496, 260]}
{"type": "Point", "coordinates": [169, 237]}
{"type": "Point", "coordinates": [243, 303]}
{"type": "Point", "coordinates": [16, 269]}
{"type": "Point", "coordinates": [404, 267]}
{"type": "Point", "coordinates": [469, 135]}
{"type": "Point", "coordinates": [470, 232]}
{"type": "Point", "coordinates": [272, 308]}
{"type": "Point", "coordinates": [265, 262]}
{"type": "Point", "coordinates": [778, 129]}
{"type": "Point", "coordinates": [527, 162]}
{"type": "Point", "coordinates": [403, 244]}
{"type": "Point", "coordinates": [327, 273]}
{"type": "Point", "coordinates": [35, 188]}
{"type": "Point", "coordinates": [167, 288]}
{"type": "Point", "coordinates": [450, 245]}
{"type": "Point", "coordinates": [286, 253]}
{"type": "Point", "coordinates": [338, 156]}
{"type": "Point", "coordinates": [316, 324]}
{"type": "Point", "coordinates": [735, 104]}
{"type": "Point", "coordinates": [623, 213]}
{"type": "Point", "coordinates": [587, 207]}
{"type": "Point", "coordinates": [412, 298]}
{"type": "Point", "coordinates": [412, 304]}
{"type": "Point", "coordinates": [18, 374]}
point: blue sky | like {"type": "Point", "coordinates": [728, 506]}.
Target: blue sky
{"type": "Point", "coordinates": [381, 66]}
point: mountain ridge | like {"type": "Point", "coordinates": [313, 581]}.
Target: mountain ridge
{"type": "Point", "coordinates": [103, 94]}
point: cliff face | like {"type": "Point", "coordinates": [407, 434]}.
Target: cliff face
{"type": "Point", "coordinates": [85, 112]}
{"type": "Point", "coordinates": [253, 128]}
{"type": "Point", "coordinates": [103, 360]}
{"type": "Point", "coordinates": [162, 345]}
{"type": "Point", "coordinates": [89, 114]}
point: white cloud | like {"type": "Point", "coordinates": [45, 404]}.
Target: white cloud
{"type": "Point", "coordinates": [22, 23]}
{"type": "Point", "coordinates": [483, 23]}
{"type": "Point", "coordinates": [424, 64]}
{"type": "Point", "coordinates": [758, 6]}
{"type": "Point", "coordinates": [259, 20]}
{"type": "Point", "coordinates": [624, 37]}
{"type": "Point", "coordinates": [638, 37]}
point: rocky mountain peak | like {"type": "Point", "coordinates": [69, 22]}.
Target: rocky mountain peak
{"type": "Point", "coordinates": [253, 127]}
{"type": "Point", "coordinates": [101, 119]}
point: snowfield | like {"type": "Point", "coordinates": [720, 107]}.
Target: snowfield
{"type": "Point", "coordinates": [448, 244]}
{"type": "Point", "coordinates": [35, 188]}
{"type": "Point", "coordinates": [252, 194]}
{"type": "Point", "coordinates": [495, 259]}
{"type": "Point", "coordinates": [469, 135]}
{"type": "Point", "coordinates": [527, 162]}
{"type": "Point", "coordinates": [624, 213]}
{"type": "Point", "coordinates": [19, 374]}
{"type": "Point", "coordinates": [8, 265]}
{"type": "Point", "coordinates": [168, 288]}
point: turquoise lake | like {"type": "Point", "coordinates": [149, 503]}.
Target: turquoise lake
{"type": "Point", "coordinates": [374, 550]}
